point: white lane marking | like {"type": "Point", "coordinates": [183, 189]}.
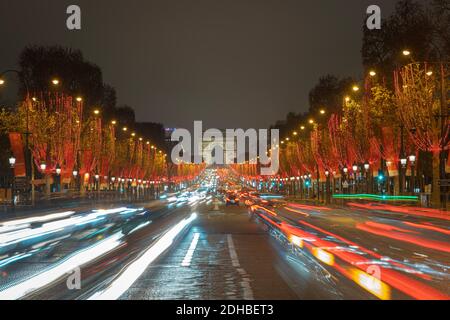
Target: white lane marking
{"type": "Point", "coordinates": [189, 254]}
{"type": "Point", "coordinates": [233, 254]}
{"type": "Point", "coordinates": [245, 283]}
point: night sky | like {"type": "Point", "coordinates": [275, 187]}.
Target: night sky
{"type": "Point", "coordinates": [230, 63]}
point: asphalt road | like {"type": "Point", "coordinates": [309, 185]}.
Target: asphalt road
{"type": "Point", "coordinates": [190, 251]}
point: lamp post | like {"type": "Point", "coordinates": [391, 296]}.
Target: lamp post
{"type": "Point", "coordinates": [403, 163]}
{"type": "Point", "coordinates": [43, 167]}
{"type": "Point", "coordinates": [12, 164]}
{"type": "Point", "coordinates": [368, 182]}
{"type": "Point", "coordinates": [327, 187]}
{"type": "Point", "coordinates": [355, 171]}
{"type": "Point", "coordinates": [58, 178]}
{"type": "Point", "coordinates": [75, 177]}
{"type": "Point", "coordinates": [412, 159]}
{"type": "Point", "coordinates": [97, 178]}
{"type": "Point", "coordinates": [345, 171]}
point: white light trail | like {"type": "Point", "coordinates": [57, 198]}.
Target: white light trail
{"type": "Point", "coordinates": [46, 277]}
{"type": "Point", "coordinates": [126, 279]}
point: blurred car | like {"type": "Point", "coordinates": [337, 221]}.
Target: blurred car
{"type": "Point", "coordinates": [231, 198]}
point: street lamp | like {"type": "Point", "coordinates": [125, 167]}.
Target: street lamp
{"type": "Point", "coordinates": [43, 166]}
{"type": "Point", "coordinates": [355, 88]}
{"type": "Point", "coordinates": [406, 52]}
{"type": "Point", "coordinates": [75, 173]}
{"type": "Point", "coordinates": [327, 173]}
{"type": "Point", "coordinates": [345, 169]}
{"type": "Point", "coordinates": [372, 73]}
{"type": "Point", "coordinates": [355, 180]}
{"type": "Point", "coordinates": [12, 161]}
{"type": "Point", "coordinates": [58, 178]}
{"type": "Point", "coordinates": [366, 166]}
{"type": "Point", "coordinates": [403, 162]}
{"type": "Point", "coordinates": [55, 82]}
{"type": "Point", "coordinates": [412, 159]}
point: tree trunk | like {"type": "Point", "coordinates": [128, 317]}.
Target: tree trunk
{"type": "Point", "coordinates": [397, 184]}
{"type": "Point", "coordinates": [435, 189]}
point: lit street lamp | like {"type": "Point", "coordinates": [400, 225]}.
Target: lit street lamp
{"type": "Point", "coordinates": [58, 178]}
{"type": "Point", "coordinates": [412, 159]}
{"type": "Point", "coordinates": [368, 181]}
{"type": "Point", "coordinates": [12, 163]}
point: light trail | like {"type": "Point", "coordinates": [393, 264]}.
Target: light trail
{"type": "Point", "coordinates": [126, 279]}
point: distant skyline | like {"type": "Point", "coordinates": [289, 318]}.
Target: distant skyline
{"type": "Point", "coordinates": [228, 63]}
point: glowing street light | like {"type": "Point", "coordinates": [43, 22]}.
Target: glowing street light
{"type": "Point", "coordinates": [43, 166]}
{"type": "Point", "coordinates": [113, 122]}
{"type": "Point", "coordinates": [403, 162]}
{"type": "Point", "coordinates": [75, 173]}
{"type": "Point", "coordinates": [429, 73]}
{"type": "Point", "coordinates": [302, 127]}
{"type": "Point", "coordinates": [295, 133]}
{"type": "Point", "coordinates": [366, 166]}
{"type": "Point", "coordinates": [55, 82]}
{"type": "Point", "coordinates": [124, 129]}
{"type": "Point", "coordinates": [322, 111]}
{"type": "Point", "coordinates": [58, 169]}
{"type": "Point", "coordinates": [79, 99]}
{"type": "Point", "coordinates": [96, 112]}
{"type": "Point", "coordinates": [406, 52]}
{"type": "Point", "coordinates": [355, 88]}
{"type": "Point", "coordinates": [12, 161]}
{"type": "Point", "coordinates": [372, 73]}
{"type": "Point", "coordinates": [2, 82]}
{"type": "Point", "coordinates": [311, 121]}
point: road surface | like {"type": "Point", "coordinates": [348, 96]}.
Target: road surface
{"type": "Point", "coordinates": [187, 250]}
